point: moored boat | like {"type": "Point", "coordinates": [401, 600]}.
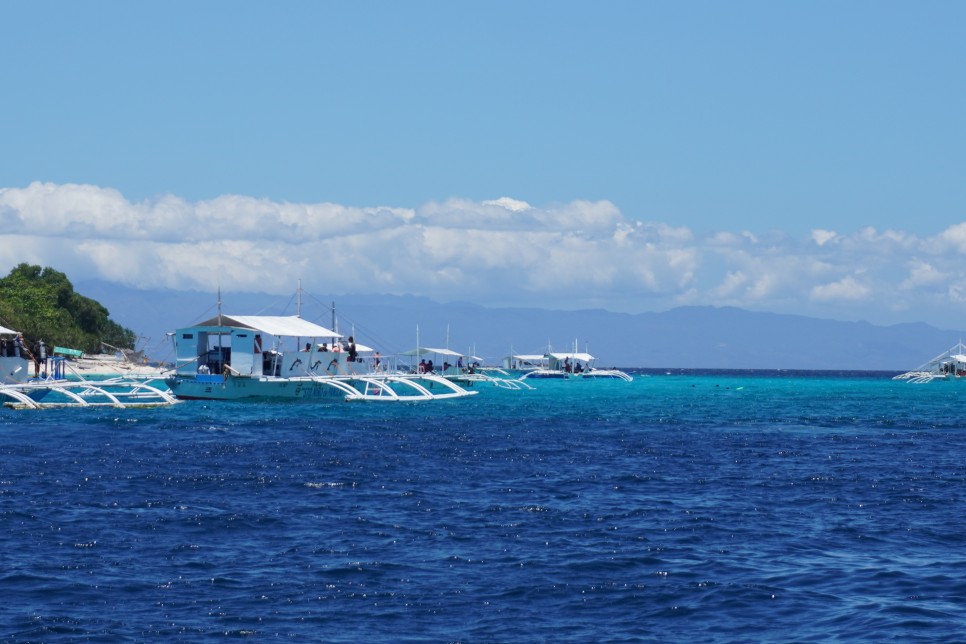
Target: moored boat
{"type": "Point", "coordinates": [948, 365]}
{"type": "Point", "coordinates": [557, 365]}
{"type": "Point", "coordinates": [463, 369]}
{"type": "Point", "coordinates": [234, 357]}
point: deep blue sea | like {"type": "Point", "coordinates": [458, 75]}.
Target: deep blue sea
{"type": "Point", "coordinates": [698, 507]}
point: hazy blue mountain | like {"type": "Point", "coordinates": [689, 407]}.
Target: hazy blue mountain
{"type": "Point", "coordinates": [686, 337]}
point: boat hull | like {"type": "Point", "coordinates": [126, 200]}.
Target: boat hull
{"type": "Point", "coordinates": [14, 370]}
{"type": "Point", "coordinates": [316, 389]}
{"type": "Point", "coordinates": [592, 374]}
{"type": "Point", "coordinates": [221, 388]}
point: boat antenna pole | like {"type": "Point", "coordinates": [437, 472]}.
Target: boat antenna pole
{"type": "Point", "coordinates": [298, 301]}
{"type": "Point", "coordinates": [220, 351]}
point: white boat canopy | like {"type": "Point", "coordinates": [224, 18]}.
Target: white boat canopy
{"type": "Point", "coordinates": [424, 350]}
{"type": "Point", "coordinates": [529, 357]}
{"type": "Point", "coordinates": [585, 357]}
{"type": "Point", "coordinates": [5, 330]}
{"type": "Point", "coordinates": [278, 325]}
{"type": "Point", "coordinates": [360, 348]}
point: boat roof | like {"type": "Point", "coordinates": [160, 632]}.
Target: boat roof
{"type": "Point", "coordinates": [278, 325]}
{"type": "Point", "coordinates": [7, 331]}
{"type": "Point", "coordinates": [421, 351]}
{"type": "Point", "coordinates": [360, 348]}
{"type": "Point", "coordinates": [573, 356]}
{"type": "Point", "coordinates": [529, 356]}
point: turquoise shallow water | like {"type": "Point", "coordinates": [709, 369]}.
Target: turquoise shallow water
{"type": "Point", "coordinates": [687, 507]}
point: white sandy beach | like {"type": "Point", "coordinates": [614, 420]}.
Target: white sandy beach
{"type": "Point", "coordinates": [110, 365]}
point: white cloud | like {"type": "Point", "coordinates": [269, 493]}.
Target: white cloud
{"type": "Point", "coordinates": [846, 289]}
{"type": "Point", "coordinates": [822, 237]}
{"type": "Point", "coordinates": [955, 236]}
{"type": "Point", "coordinates": [922, 274]}
{"type": "Point", "coordinates": [497, 252]}
{"type": "Point", "coordinates": [514, 205]}
{"type": "Point", "coordinates": [730, 285]}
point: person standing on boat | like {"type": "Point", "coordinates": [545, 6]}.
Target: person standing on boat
{"type": "Point", "coordinates": [353, 354]}
{"type": "Point", "coordinates": [40, 356]}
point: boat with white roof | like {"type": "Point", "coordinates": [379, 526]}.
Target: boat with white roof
{"type": "Point", "coordinates": [948, 365]}
{"type": "Point", "coordinates": [562, 365]}
{"type": "Point", "coordinates": [50, 386]}
{"type": "Point", "coordinates": [465, 370]}
{"type": "Point", "coordinates": [233, 357]}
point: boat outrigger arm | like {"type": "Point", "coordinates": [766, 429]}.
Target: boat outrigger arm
{"type": "Point", "coordinates": [119, 392]}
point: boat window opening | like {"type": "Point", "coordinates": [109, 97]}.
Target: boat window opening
{"type": "Point", "coordinates": [187, 336]}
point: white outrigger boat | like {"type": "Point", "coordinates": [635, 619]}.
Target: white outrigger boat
{"type": "Point", "coordinates": [948, 365]}
{"type": "Point", "coordinates": [462, 369]}
{"type": "Point", "coordinates": [234, 357]}
{"type": "Point", "coordinates": [51, 388]}
{"type": "Point", "coordinates": [559, 365]}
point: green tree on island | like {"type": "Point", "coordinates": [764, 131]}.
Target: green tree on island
{"type": "Point", "coordinates": [41, 304]}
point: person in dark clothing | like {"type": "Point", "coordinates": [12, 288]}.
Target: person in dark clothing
{"type": "Point", "coordinates": [40, 356]}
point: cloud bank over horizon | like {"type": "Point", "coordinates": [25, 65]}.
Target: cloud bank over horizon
{"type": "Point", "coordinates": [499, 252]}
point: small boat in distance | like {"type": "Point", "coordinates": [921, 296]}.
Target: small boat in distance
{"type": "Point", "coordinates": [464, 370]}
{"type": "Point", "coordinates": [560, 365]}
{"type": "Point", "coordinates": [948, 365]}
{"type": "Point", "coordinates": [232, 357]}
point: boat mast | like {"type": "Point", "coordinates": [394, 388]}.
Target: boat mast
{"type": "Point", "coordinates": [221, 351]}
{"type": "Point", "coordinates": [298, 301]}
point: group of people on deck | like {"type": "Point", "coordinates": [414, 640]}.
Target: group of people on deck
{"type": "Point", "coordinates": [576, 367]}
{"type": "Point", "coordinates": [349, 346]}
{"type": "Point", "coordinates": [427, 366]}
{"type": "Point", "coordinates": [13, 348]}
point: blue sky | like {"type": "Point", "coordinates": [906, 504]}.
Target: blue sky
{"type": "Point", "coordinates": [744, 127]}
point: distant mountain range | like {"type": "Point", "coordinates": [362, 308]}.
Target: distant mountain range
{"type": "Point", "coordinates": [686, 337]}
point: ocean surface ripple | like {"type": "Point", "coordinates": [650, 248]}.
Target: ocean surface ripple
{"type": "Point", "coordinates": [684, 507]}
